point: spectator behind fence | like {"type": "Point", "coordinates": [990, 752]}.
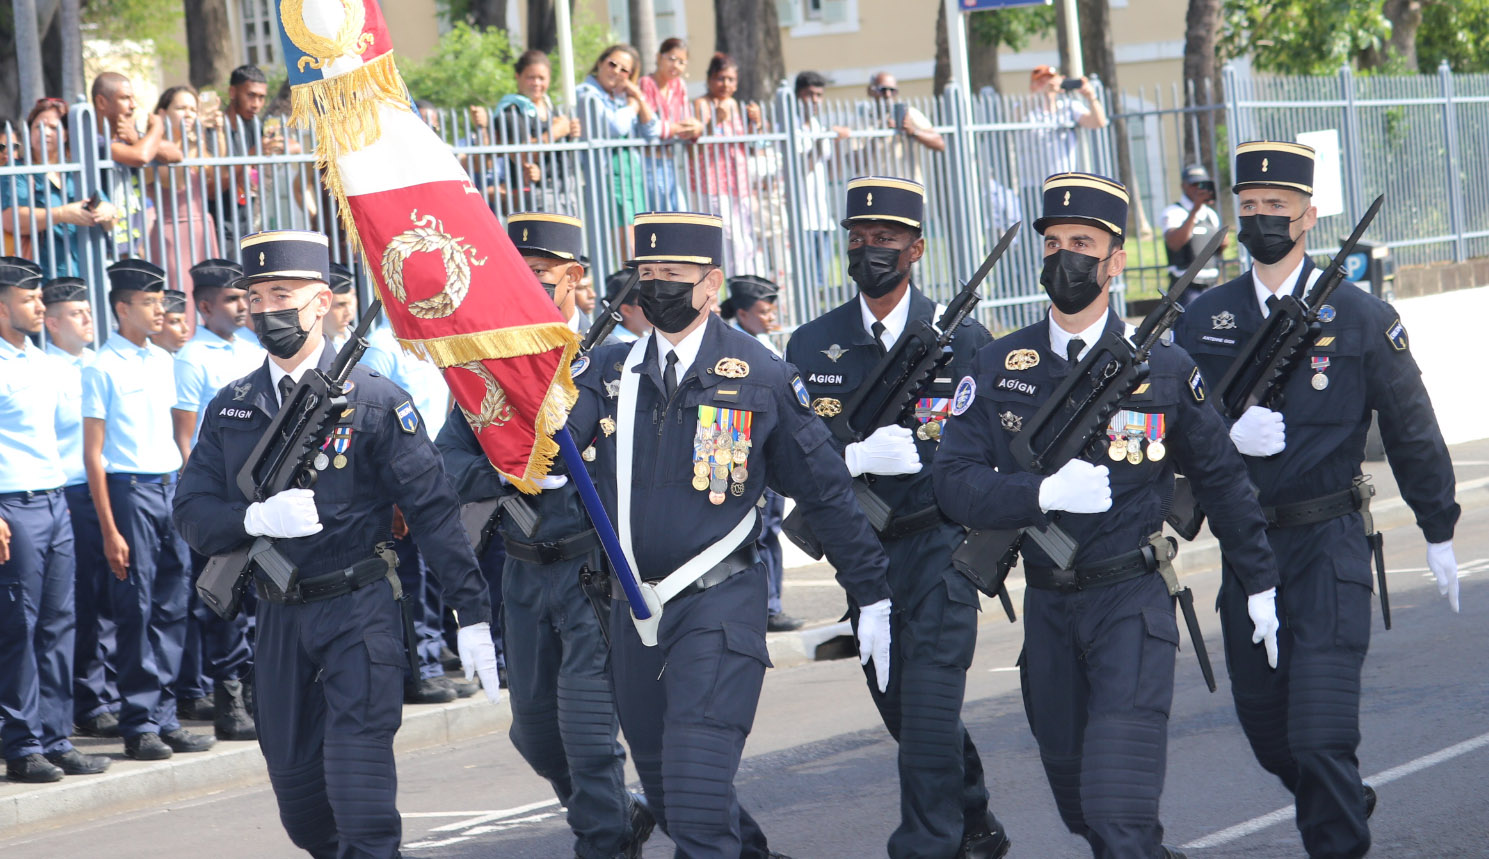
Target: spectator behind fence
{"type": "Point", "coordinates": [613, 108]}
{"type": "Point", "coordinates": [1054, 148]}
{"type": "Point", "coordinates": [534, 181]}
{"type": "Point", "coordinates": [186, 233]}
{"type": "Point", "coordinates": [228, 202]}
{"type": "Point", "coordinates": [814, 211]}
{"type": "Point", "coordinates": [1187, 226]}
{"type": "Point", "coordinates": [121, 141]}
{"type": "Point", "coordinates": [893, 155]}
{"type": "Point", "coordinates": [721, 170]}
{"type": "Point", "coordinates": [10, 150]}
{"type": "Point", "coordinates": [665, 91]}
{"type": "Point", "coordinates": [51, 213]}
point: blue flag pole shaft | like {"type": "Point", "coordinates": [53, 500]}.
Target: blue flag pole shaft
{"type": "Point", "coordinates": [591, 498]}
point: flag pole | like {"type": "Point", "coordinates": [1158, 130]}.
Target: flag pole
{"type": "Point", "coordinates": [587, 494]}
{"type": "Point", "coordinates": [566, 54]}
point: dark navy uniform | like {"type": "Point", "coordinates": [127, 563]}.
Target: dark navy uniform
{"type": "Point", "coordinates": [1302, 720]}
{"type": "Point", "coordinates": [686, 725]}
{"type": "Point", "coordinates": [563, 709]}
{"type": "Point", "coordinates": [329, 668]}
{"type": "Point", "coordinates": [935, 624]}
{"type": "Point", "coordinates": [1098, 662]}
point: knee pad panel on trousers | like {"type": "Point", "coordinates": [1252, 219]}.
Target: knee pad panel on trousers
{"type": "Point", "coordinates": [1122, 769]}
{"type": "Point", "coordinates": [1264, 722]}
{"type": "Point", "coordinates": [1064, 774]}
{"type": "Point", "coordinates": [698, 778]}
{"type": "Point", "coordinates": [362, 785]}
{"type": "Point", "coordinates": [930, 713]}
{"type": "Point", "coordinates": [586, 719]}
{"type": "Point", "coordinates": [304, 808]}
{"type": "Point", "coordinates": [1324, 710]}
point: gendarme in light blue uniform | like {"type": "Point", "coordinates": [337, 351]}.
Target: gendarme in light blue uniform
{"type": "Point", "coordinates": [205, 364]}
{"type": "Point", "coordinates": [70, 410]}
{"type": "Point", "coordinates": [28, 410]}
{"type": "Point", "coordinates": [132, 388]}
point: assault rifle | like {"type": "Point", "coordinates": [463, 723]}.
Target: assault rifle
{"type": "Point", "coordinates": [894, 387]}
{"type": "Point", "coordinates": [283, 459]}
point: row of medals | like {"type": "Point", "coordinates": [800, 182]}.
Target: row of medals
{"type": "Point", "coordinates": [929, 431]}
{"type": "Point", "coordinates": [1130, 448]}
{"type": "Point", "coordinates": [719, 462]}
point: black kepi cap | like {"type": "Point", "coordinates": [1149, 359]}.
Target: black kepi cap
{"type": "Point", "coordinates": [215, 273]}
{"type": "Point", "coordinates": [60, 289]}
{"type": "Point", "coordinates": [1274, 164]}
{"type": "Point", "coordinates": [690, 237]}
{"type": "Point", "coordinates": [342, 280]}
{"type": "Point", "coordinates": [746, 289]}
{"type": "Point", "coordinates": [614, 282]}
{"type": "Point", "coordinates": [1084, 198]}
{"type": "Point", "coordinates": [137, 275]}
{"type": "Point", "coordinates": [21, 272]}
{"type": "Point", "coordinates": [883, 198]}
{"type": "Point", "coordinates": [547, 235]}
{"type": "Point", "coordinates": [285, 255]}
{"type": "Point", "coordinates": [175, 301]}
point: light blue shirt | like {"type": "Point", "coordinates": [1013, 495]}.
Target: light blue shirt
{"type": "Point", "coordinates": [28, 420]}
{"type": "Point", "coordinates": [205, 364]}
{"type": "Point", "coordinates": [132, 389]}
{"type": "Point", "coordinates": [421, 379]}
{"type": "Point", "coordinates": [70, 410]}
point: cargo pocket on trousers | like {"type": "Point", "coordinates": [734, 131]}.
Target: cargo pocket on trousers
{"type": "Point", "coordinates": [1155, 679]}
{"type": "Point", "coordinates": [736, 686]}
{"type": "Point", "coordinates": [1352, 610]}
{"type": "Point", "coordinates": [387, 666]}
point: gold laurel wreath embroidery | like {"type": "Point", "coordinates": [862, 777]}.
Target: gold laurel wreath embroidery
{"type": "Point", "coordinates": [428, 235]}
{"type": "Point", "coordinates": [495, 411]}
{"type": "Point", "coordinates": [349, 38]}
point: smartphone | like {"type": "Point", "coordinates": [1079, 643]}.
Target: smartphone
{"type": "Point", "coordinates": [1206, 185]}
{"type": "Point", "coordinates": [1072, 83]}
{"type": "Point", "coordinates": [91, 204]}
{"type": "Point", "coordinates": [900, 109]}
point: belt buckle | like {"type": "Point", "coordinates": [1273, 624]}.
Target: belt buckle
{"type": "Point", "coordinates": [1065, 580]}
{"type": "Point", "coordinates": [549, 551]}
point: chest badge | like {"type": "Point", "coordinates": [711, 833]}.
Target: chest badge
{"type": "Point", "coordinates": [579, 366]}
{"type": "Point", "coordinates": [834, 352]}
{"type": "Point", "coordinates": [731, 368]}
{"type": "Point", "coordinates": [240, 392]}
{"type": "Point", "coordinates": [1327, 313]}
{"type": "Point", "coordinates": [612, 389]}
{"type": "Point", "coordinates": [1011, 421]}
{"type": "Point", "coordinates": [1021, 359]}
{"type": "Point", "coordinates": [1223, 321]}
{"type": "Point", "coordinates": [827, 407]}
{"type": "Point", "coordinates": [1320, 366]}
{"type": "Point", "coordinates": [607, 426]}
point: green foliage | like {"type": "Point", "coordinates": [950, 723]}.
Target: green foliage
{"type": "Point", "coordinates": [591, 36]}
{"type": "Point", "coordinates": [158, 21]}
{"type": "Point", "coordinates": [1456, 31]}
{"type": "Point", "coordinates": [1301, 37]}
{"type": "Point", "coordinates": [1011, 27]}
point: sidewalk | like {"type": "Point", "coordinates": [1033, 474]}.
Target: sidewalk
{"type": "Point", "coordinates": [810, 594]}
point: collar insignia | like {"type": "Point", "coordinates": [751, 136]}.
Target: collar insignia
{"type": "Point", "coordinates": [1223, 320]}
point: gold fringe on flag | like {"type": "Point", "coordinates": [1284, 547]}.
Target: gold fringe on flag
{"type": "Point", "coordinates": [551, 418]}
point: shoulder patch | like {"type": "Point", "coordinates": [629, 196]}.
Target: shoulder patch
{"type": "Point", "coordinates": [801, 392]}
{"type": "Point", "coordinates": [1396, 334]}
{"type": "Point", "coordinates": [1197, 385]}
{"type": "Point", "coordinates": [966, 392]}
{"type": "Point", "coordinates": [579, 366]}
{"type": "Point", "coordinates": [408, 417]}
{"type": "Point", "coordinates": [1326, 313]}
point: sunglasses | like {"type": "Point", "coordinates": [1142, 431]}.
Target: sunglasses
{"type": "Point", "coordinates": [618, 67]}
{"type": "Point", "coordinates": [886, 90]}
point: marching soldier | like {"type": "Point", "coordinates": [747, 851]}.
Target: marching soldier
{"type": "Point", "coordinates": [690, 424]}
{"type": "Point", "coordinates": [563, 711]}
{"type": "Point", "coordinates": [1303, 719]}
{"type": "Point", "coordinates": [338, 323]}
{"type": "Point", "coordinates": [132, 460]}
{"type": "Point", "coordinates": [1099, 639]}
{"type": "Point", "coordinates": [175, 332]}
{"type": "Point", "coordinates": [943, 799]}
{"type": "Point", "coordinates": [36, 548]}
{"type": "Point", "coordinates": [330, 658]}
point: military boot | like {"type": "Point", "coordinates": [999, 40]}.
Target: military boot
{"type": "Point", "coordinates": [232, 721]}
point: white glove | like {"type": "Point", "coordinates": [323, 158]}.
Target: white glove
{"type": "Point", "coordinates": [889, 450]}
{"type": "Point", "coordinates": [1259, 432]}
{"type": "Point", "coordinates": [1444, 564]}
{"type": "Point", "coordinates": [478, 656]}
{"type": "Point", "coordinates": [873, 639]}
{"type": "Point", "coordinates": [552, 481]}
{"type": "Point", "coordinates": [286, 514]}
{"type": "Point", "coordinates": [1078, 487]}
{"type": "Point", "coordinates": [1263, 610]}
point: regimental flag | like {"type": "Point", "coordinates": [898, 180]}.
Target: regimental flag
{"type": "Point", "coordinates": [454, 287]}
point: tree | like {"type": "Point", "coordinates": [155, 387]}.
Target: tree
{"type": "Point", "coordinates": [1285, 36]}
{"type": "Point", "coordinates": [1405, 17]}
{"type": "Point", "coordinates": [750, 32]}
{"type": "Point", "coordinates": [542, 26]}
{"type": "Point", "coordinates": [991, 30]}
{"type": "Point", "coordinates": [480, 14]}
{"type": "Point", "coordinates": [207, 42]}
{"type": "Point", "coordinates": [644, 32]}
{"type": "Point", "coordinates": [468, 66]}
{"type": "Point", "coordinates": [1456, 32]}
{"type": "Point", "coordinates": [941, 75]}
{"type": "Point", "coordinates": [31, 85]}
{"type": "Point", "coordinates": [1202, 84]}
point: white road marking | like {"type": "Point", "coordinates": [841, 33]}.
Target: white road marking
{"type": "Point", "coordinates": [478, 822]}
{"type": "Point", "coordinates": [1257, 824]}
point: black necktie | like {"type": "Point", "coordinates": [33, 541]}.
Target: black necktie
{"type": "Point", "coordinates": [878, 329]}
{"type": "Point", "coordinates": [669, 376]}
{"type": "Point", "coordinates": [286, 385]}
{"type": "Point", "coordinates": [1073, 350]}
{"type": "Point", "coordinates": [1272, 302]}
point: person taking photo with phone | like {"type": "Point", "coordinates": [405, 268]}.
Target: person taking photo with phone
{"type": "Point", "coordinates": [1187, 225]}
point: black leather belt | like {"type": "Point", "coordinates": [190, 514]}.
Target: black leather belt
{"type": "Point", "coordinates": [132, 479]}
{"type": "Point", "coordinates": [553, 551]}
{"type": "Point", "coordinates": [740, 560]}
{"type": "Point", "coordinates": [1121, 568]}
{"type": "Point", "coordinates": [28, 494]}
{"type": "Point", "coordinates": [1320, 509]}
{"type": "Point", "coordinates": [914, 523]}
{"type": "Point", "coordinates": [328, 586]}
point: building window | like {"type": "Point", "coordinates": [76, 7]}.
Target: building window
{"type": "Point", "coordinates": [818, 17]}
{"type": "Point", "coordinates": [260, 34]}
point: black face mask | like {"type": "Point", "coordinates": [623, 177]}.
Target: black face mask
{"type": "Point", "coordinates": [279, 331]}
{"type": "Point", "coordinates": [1071, 281]}
{"type": "Point", "coordinates": [875, 270]}
{"type": "Point", "coordinates": [668, 304]}
{"type": "Point", "coordinates": [1268, 238]}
